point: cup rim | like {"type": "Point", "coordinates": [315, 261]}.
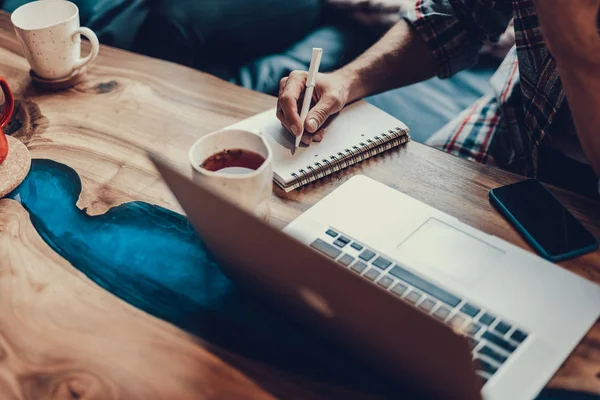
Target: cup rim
{"type": "Point", "coordinates": [193, 162]}
{"type": "Point", "coordinates": [33, 3]}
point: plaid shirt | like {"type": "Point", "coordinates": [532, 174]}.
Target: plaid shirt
{"type": "Point", "coordinates": [506, 127]}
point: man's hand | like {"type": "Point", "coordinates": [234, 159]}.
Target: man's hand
{"type": "Point", "coordinates": [331, 94]}
{"type": "Point", "coordinates": [401, 57]}
{"type": "Point", "coordinates": [570, 27]}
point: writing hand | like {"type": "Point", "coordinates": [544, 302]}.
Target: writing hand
{"type": "Point", "coordinates": [330, 96]}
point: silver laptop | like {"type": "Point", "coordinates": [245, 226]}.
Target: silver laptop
{"type": "Point", "coordinates": [448, 310]}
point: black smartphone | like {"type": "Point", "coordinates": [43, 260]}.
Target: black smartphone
{"type": "Point", "coordinates": [544, 223]}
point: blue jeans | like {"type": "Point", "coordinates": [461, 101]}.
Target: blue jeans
{"type": "Point", "coordinates": [211, 32]}
{"type": "Point", "coordinates": [197, 32]}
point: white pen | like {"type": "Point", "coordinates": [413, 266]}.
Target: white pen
{"type": "Point", "coordinates": [311, 79]}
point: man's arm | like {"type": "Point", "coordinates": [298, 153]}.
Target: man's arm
{"type": "Point", "coordinates": [436, 37]}
{"type": "Point", "coordinates": [571, 33]}
{"type": "Point", "coordinates": [382, 68]}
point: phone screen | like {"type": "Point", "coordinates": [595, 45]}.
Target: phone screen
{"type": "Point", "coordinates": [555, 229]}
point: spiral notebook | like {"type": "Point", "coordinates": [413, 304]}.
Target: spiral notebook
{"type": "Point", "coordinates": [360, 131]}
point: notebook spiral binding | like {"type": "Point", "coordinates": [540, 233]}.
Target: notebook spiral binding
{"type": "Point", "coordinates": [356, 154]}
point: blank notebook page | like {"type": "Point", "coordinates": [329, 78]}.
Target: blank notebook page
{"type": "Point", "coordinates": [355, 124]}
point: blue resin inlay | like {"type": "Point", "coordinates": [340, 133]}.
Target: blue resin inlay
{"type": "Point", "coordinates": [151, 257]}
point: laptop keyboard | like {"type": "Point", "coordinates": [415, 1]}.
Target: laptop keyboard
{"type": "Point", "coordinates": [493, 339]}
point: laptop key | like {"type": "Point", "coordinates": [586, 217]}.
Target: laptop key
{"type": "Point", "coordinates": [325, 248]}
{"type": "Point", "coordinates": [427, 305]}
{"type": "Point", "coordinates": [358, 267]}
{"type": "Point", "coordinates": [473, 328]}
{"type": "Point", "coordinates": [487, 319]}
{"type": "Point", "coordinates": [502, 327]}
{"type": "Point", "coordinates": [357, 246]}
{"type": "Point", "coordinates": [340, 243]}
{"type": "Point", "coordinates": [441, 313]}
{"type": "Point", "coordinates": [493, 354]}
{"type": "Point", "coordinates": [346, 259]}
{"type": "Point", "coordinates": [382, 263]}
{"type": "Point", "coordinates": [399, 289]}
{"type": "Point", "coordinates": [485, 366]}
{"type": "Point", "coordinates": [498, 341]}
{"type": "Point", "coordinates": [367, 255]}
{"type": "Point", "coordinates": [372, 274]}
{"type": "Point", "coordinates": [385, 282]}
{"type": "Point", "coordinates": [344, 239]}
{"type": "Point", "coordinates": [425, 286]}
{"type": "Point", "coordinates": [518, 336]}
{"type": "Point", "coordinates": [332, 233]}
{"type": "Point", "coordinates": [413, 297]}
{"type": "Point", "coordinates": [473, 343]}
{"type": "Point", "coordinates": [470, 310]}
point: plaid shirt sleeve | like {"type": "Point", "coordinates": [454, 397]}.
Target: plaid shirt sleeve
{"type": "Point", "coordinates": [455, 30]}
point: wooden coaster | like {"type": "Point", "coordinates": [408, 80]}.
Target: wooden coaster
{"type": "Point", "coordinates": [16, 166]}
{"type": "Point", "coordinates": [75, 78]}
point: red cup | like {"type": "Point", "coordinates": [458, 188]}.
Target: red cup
{"type": "Point", "coordinates": [9, 106]}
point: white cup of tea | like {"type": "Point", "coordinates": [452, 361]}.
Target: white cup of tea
{"type": "Point", "coordinates": [237, 165]}
{"type": "Point", "coordinates": [50, 34]}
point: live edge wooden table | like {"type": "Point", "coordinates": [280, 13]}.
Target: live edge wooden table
{"type": "Point", "coordinates": [62, 336]}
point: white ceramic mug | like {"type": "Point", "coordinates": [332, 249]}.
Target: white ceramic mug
{"type": "Point", "coordinates": [50, 36]}
{"type": "Point", "coordinates": [250, 191]}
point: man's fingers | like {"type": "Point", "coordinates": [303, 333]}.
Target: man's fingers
{"type": "Point", "coordinates": [317, 137]}
{"type": "Point", "coordinates": [307, 138]}
{"type": "Point", "coordinates": [280, 115]}
{"type": "Point", "coordinates": [284, 126]}
{"type": "Point", "coordinates": [282, 84]}
{"type": "Point", "coordinates": [288, 100]}
{"type": "Point", "coordinates": [327, 106]}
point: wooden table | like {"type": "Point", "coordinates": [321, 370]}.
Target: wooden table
{"type": "Point", "coordinates": [61, 333]}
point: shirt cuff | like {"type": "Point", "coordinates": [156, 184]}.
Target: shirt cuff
{"type": "Point", "coordinates": [444, 36]}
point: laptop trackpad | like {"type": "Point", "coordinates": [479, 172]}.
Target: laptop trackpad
{"type": "Point", "coordinates": [449, 250]}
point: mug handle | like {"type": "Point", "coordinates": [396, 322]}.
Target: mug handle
{"type": "Point", "coordinates": [88, 33]}
{"type": "Point", "coordinates": [9, 103]}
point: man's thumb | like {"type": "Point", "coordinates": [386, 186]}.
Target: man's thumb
{"type": "Point", "coordinates": [325, 108]}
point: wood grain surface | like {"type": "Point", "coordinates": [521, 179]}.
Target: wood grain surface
{"type": "Point", "coordinates": [116, 350]}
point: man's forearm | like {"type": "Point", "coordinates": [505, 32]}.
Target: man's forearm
{"type": "Point", "coordinates": [398, 59]}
